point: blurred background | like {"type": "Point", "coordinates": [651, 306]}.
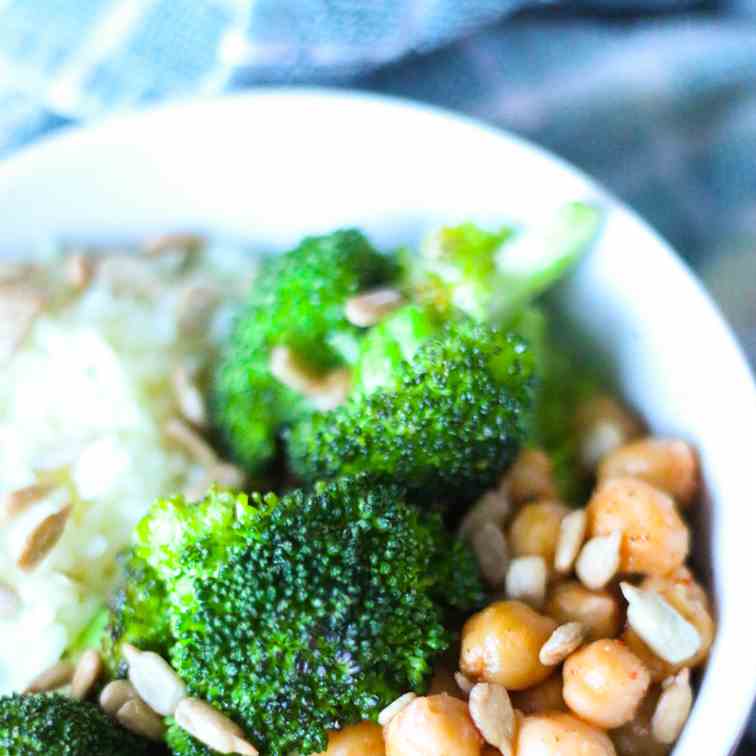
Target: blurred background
{"type": "Point", "coordinates": [655, 98]}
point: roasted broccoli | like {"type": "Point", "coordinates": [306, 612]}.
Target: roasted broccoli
{"type": "Point", "coordinates": [137, 614]}
{"type": "Point", "coordinates": [438, 409]}
{"type": "Point", "coordinates": [297, 301]}
{"type": "Point", "coordinates": [565, 380]}
{"type": "Point", "coordinates": [54, 725]}
{"type": "Point", "coordinates": [299, 614]}
{"type": "Point", "coordinates": [491, 275]}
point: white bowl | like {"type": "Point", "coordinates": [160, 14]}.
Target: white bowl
{"type": "Point", "coordinates": [272, 166]}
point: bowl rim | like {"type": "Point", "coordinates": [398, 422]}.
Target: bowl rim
{"type": "Point", "coordinates": [31, 157]}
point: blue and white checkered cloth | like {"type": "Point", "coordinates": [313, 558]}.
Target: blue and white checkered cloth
{"type": "Point", "coordinates": [662, 110]}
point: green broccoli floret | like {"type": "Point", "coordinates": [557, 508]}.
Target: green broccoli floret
{"type": "Point", "coordinates": [491, 274]}
{"type": "Point", "coordinates": [300, 614]}
{"type": "Point", "coordinates": [442, 417]}
{"type": "Point", "coordinates": [565, 381]}
{"type": "Point", "coordinates": [297, 301]}
{"type": "Point", "coordinates": [136, 615]}
{"type": "Point", "coordinates": [54, 725]}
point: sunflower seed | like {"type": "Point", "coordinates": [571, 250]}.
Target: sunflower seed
{"type": "Point", "coordinates": [668, 634]}
{"type": "Point", "coordinates": [18, 501]}
{"type": "Point", "coordinates": [86, 674]}
{"type": "Point", "coordinates": [115, 694]}
{"type": "Point", "coordinates": [571, 536]}
{"type": "Point", "coordinates": [212, 728]}
{"type": "Point", "coordinates": [186, 437]}
{"type": "Point", "coordinates": [599, 560]}
{"type": "Point", "coordinates": [672, 708]}
{"type": "Point", "coordinates": [492, 712]}
{"type": "Point", "coordinates": [42, 539]}
{"type": "Point", "coordinates": [526, 580]}
{"type": "Point", "coordinates": [55, 677]}
{"type": "Point", "coordinates": [394, 708]}
{"type": "Point", "coordinates": [491, 549]}
{"type": "Point", "coordinates": [154, 680]}
{"type": "Point", "coordinates": [140, 719]}
{"type": "Point", "coordinates": [190, 401]}
{"type": "Point", "coordinates": [561, 643]}
{"type": "Point", "coordinates": [367, 309]}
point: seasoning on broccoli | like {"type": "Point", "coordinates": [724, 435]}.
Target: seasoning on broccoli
{"type": "Point", "coordinates": [441, 410]}
{"type": "Point", "coordinates": [489, 275]}
{"type": "Point", "coordinates": [300, 614]}
{"type": "Point", "coordinates": [54, 725]}
{"type": "Point", "coordinates": [297, 302]}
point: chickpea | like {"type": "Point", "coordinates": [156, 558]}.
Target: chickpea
{"type": "Point", "coordinates": [546, 696]}
{"type": "Point", "coordinates": [599, 611]}
{"type": "Point", "coordinates": [667, 464]}
{"type": "Point", "coordinates": [604, 683]}
{"type": "Point", "coordinates": [535, 529]}
{"type": "Point", "coordinates": [433, 726]}
{"type": "Point", "coordinates": [635, 738]}
{"type": "Point", "coordinates": [362, 739]}
{"type": "Point", "coordinates": [501, 643]}
{"type": "Point", "coordinates": [683, 593]}
{"type": "Point", "coordinates": [531, 477]}
{"type": "Point", "coordinates": [603, 425]}
{"type": "Point", "coordinates": [559, 734]}
{"type": "Point", "coordinates": [655, 540]}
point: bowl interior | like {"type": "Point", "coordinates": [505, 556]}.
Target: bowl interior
{"type": "Point", "coordinates": [270, 167]}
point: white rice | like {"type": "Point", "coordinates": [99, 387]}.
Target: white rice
{"type": "Point", "coordinates": [83, 402]}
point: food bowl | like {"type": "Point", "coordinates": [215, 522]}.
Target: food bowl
{"type": "Point", "coordinates": [271, 166]}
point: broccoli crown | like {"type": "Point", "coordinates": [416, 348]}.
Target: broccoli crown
{"type": "Point", "coordinates": [296, 301]}
{"type": "Point", "coordinates": [54, 725]}
{"type": "Point", "coordinates": [491, 274]}
{"type": "Point", "coordinates": [300, 614]}
{"type": "Point", "coordinates": [137, 614]}
{"type": "Point", "coordinates": [444, 422]}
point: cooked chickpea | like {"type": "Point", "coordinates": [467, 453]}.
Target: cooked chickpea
{"type": "Point", "coordinates": [655, 540]}
{"type": "Point", "coordinates": [501, 643]}
{"type": "Point", "coordinates": [546, 696]}
{"type": "Point", "coordinates": [535, 529]}
{"type": "Point", "coordinates": [559, 734]}
{"type": "Point", "coordinates": [603, 425]}
{"type": "Point", "coordinates": [683, 593]}
{"type": "Point", "coordinates": [599, 611]}
{"type": "Point", "coordinates": [531, 476]}
{"type": "Point", "coordinates": [362, 739]}
{"type": "Point", "coordinates": [667, 464]}
{"type": "Point", "coordinates": [635, 738]}
{"type": "Point", "coordinates": [433, 726]}
{"type": "Point", "coordinates": [604, 683]}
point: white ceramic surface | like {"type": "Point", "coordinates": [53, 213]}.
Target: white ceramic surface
{"type": "Point", "coordinates": [270, 167]}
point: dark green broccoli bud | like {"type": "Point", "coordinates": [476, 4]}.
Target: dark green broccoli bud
{"type": "Point", "coordinates": [54, 725]}
{"type": "Point", "coordinates": [444, 421]}
{"type": "Point", "coordinates": [300, 614]}
{"type": "Point", "coordinates": [137, 614]}
{"type": "Point", "coordinates": [490, 275]}
{"type": "Point", "coordinates": [297, 301]}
